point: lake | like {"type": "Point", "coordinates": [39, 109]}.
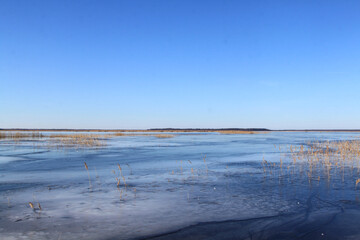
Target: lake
{"type": "Point", "coordinates": [190, 186]}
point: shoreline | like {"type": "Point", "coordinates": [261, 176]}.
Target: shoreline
{"type": "Point", "coordinates": [202, 130]}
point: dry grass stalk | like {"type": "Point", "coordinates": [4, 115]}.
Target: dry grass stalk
{"type": "Point", "coordinates": [164, 135]}
{"type": "Point", "coordinates": [204, 159]}
{"type": "Point", "coordinates": [87, 169]}
{"type": "Point", "coordinates": [122, 176]}
{"type": "Point", "coordinates": [323, 160]}
{"type": "Point", "coordinates": [79, 140]}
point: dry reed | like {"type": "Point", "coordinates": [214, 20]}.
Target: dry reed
{"type": "Point", "coordinates": [79, 140]}
{"type": "Point", "coordinates": [20, 135]}
{"type": "Point", "coordinates": [321, 160]}
{"type": "Point", "coordinates": [87, 169]}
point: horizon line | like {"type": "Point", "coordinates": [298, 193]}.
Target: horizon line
{"type": "Point", "coordinates": [180, 129]}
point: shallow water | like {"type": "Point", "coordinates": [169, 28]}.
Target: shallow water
{"type": "Point", "coordinates": [169, 187]}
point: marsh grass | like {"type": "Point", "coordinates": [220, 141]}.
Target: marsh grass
{"type": "Point", "coordinates": [121, 175]}
{"type": "Point", "coordinates": [239, 132]}
{"type": "Point", "coordinates": [204, 159]}
{"type": "Point", "coordinates": [87, 140]}
{"type": "Point", "coordinates": [164, 135]}
{"type": "Point", "coordinates": [20, 135]}
{"type": "Point", "coordinates": [78, 140]}
{"type": "Point", "coordinates": [316, 161]}
{"type": "Point", "coordinates": [87, 169]}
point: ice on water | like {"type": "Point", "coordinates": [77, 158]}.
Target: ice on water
{"type": "Point", "coordinates": [171, 183]}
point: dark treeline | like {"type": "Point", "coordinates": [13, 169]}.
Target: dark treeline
{"type": "Point", "coordinates": [209, 129]}
{"type": "Point", "coordinates": [177, 129]}
{"type": "Point", "coordinates": [136, 130]}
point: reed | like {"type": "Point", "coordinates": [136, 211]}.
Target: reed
{"type": "Point", "coordinates": [87, 170]}
{"type": "Point", "coordinates": [78, 140]}
{"type": "Point", "coordinates": [164, 135]}
{"type": "Point", "coordinates": [20, 135]}
{"type": "Point", "coordinates": [204, 159]}
{"type": "Point", "coordinates": [121, 176]}
{"type": "Point", "coordinates": [321, 160]}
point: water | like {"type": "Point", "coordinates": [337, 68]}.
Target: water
{"type": "Point", "coordinates": [171, 184]}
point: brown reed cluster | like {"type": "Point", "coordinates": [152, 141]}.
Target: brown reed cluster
{"type": "Point", "coordinates": [239, 132]}
{"type": "Point", "coordinates": [319, 160]}
{"type": "Point", "coordinates": [68, 140]}
{"type": "Point", "coordinates": [79, 140]}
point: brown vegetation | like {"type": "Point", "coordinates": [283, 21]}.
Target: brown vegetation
{"type": "Point", "coordinates": [163, 135]}
{"type": "Point", "coordinates": [238, 132]}
{"type": "Point", "coordinates": [19, 135]}
{"type": "Point", "coordinates": [321, 160]}
{"type": "Point", "coordinates": [78, 140]}
{"type": "Point", "coordinates": [161, 130]}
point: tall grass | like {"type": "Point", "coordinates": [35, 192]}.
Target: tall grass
{"type": "Point", "coordinates": [163, 135]}
{"type": "Point", "coordinates": [20, 135]}
{"type": "Point", "coordinates": [87, 169]}
{"type": "Point", "coordinates": [78, 140]}
{"type": "Point", "coordinates": [321, 160]}
{"type": "Point", "coordinates": [69, 140]}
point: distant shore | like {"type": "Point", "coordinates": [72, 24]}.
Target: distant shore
{"type": "Point", "coordinates": [143, 130]}
{"type": "Point", "coordinates": [222, 130]}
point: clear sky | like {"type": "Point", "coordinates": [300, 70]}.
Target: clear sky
{"type": "Point", "coordinates": [179, 63]}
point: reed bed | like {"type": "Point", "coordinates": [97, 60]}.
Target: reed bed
{"type": "Point", "coordinates": [338, 160]}
{"type": "Point", "coordinates": [329, 155]}
{"type": "Point", "coordinates": [20, 135]}
{"type": "Point", "coordinates": [79, 140]}
{"type": "Point", "coordinates": [79, 135]}
{"type": "Point", "coordinates": [238, 132]}
{"type": "Point", "coordinates": [164, 135]}
{"type": "Point", "coordinates": [66, 140]}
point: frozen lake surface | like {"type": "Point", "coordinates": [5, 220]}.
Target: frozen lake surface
{"type": "Point", "coordinates": [191, 186]}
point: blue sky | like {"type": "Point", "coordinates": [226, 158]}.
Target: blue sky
{"type": "Point", "coordinates": [144, 64]}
